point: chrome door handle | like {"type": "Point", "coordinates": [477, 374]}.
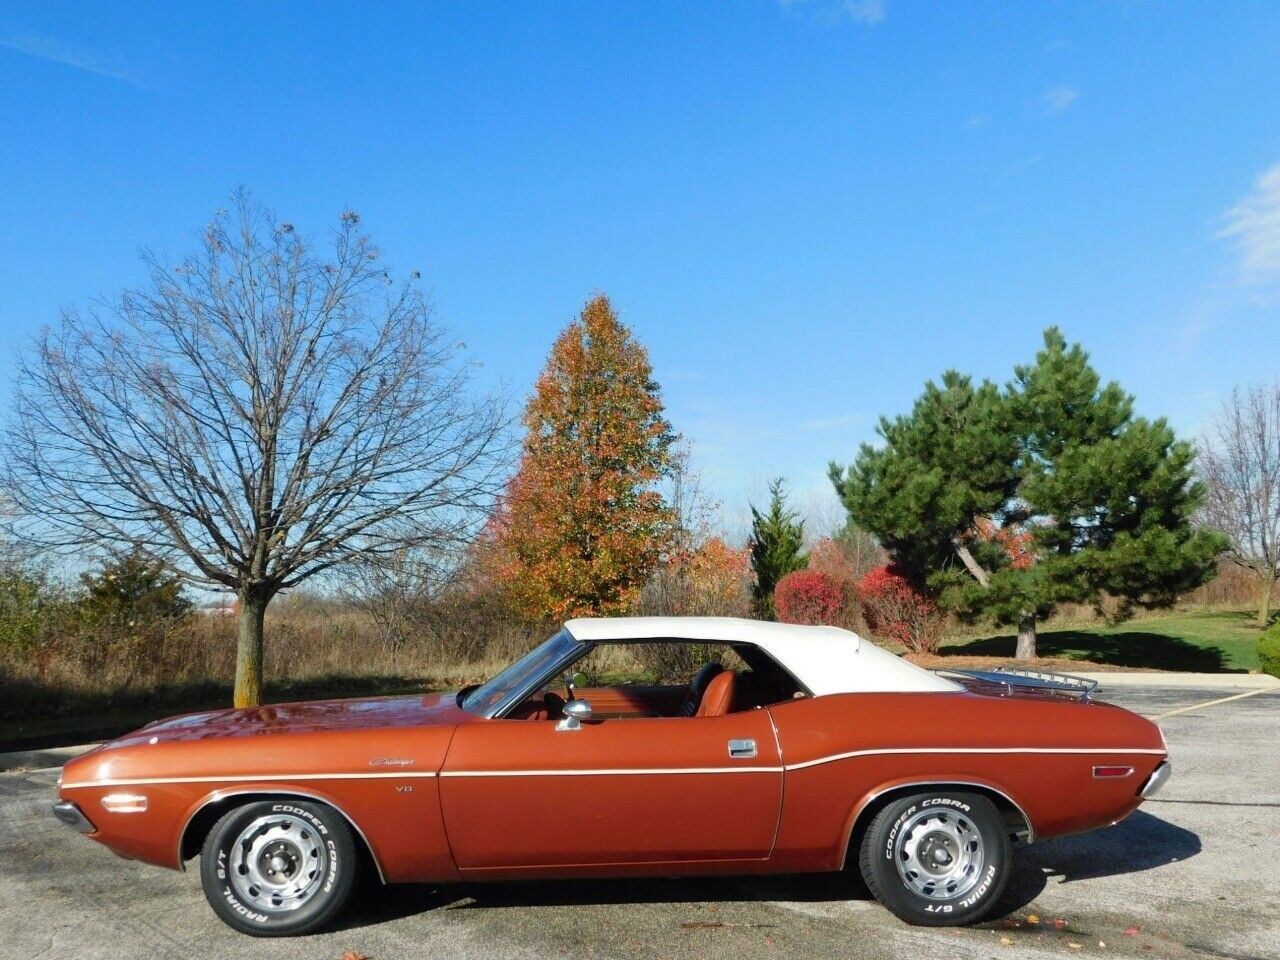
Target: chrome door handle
{"type": "Point", "coordinates": [742, 749]}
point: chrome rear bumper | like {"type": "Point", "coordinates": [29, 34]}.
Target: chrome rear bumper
{"type": "Point", "coordinates": [1158, 778]}
{"type": "Point", "coordinates": [71, 815]}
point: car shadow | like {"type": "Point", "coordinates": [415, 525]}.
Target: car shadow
{"type": "Point", "coordinates": [1141, 842]}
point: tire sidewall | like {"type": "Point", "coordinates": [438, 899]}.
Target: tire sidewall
{"type": "Point", "coordinates": [881, 871]}
{"type": "Point", "coordinates": [334, 889]}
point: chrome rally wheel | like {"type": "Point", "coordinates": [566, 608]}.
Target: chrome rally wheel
{"type": "Point", "coordinates": [937, 858]}
{"type": "Point", "coordinates": [939, 853]}
{"type": "Point", "coordinates": [278, 863]}
{"type": "Point", "coordinates": [278, 867]}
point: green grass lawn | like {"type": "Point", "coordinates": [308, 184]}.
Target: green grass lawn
{"type": "Point", "coordinates": [1201, 641]}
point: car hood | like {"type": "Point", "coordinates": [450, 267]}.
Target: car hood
{"type": "Point", "coordinates": [308, 717]}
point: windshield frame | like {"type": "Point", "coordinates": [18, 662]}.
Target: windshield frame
{"type": "Point", "coordinates": [525, 675]}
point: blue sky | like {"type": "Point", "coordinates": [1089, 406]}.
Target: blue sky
{"type": "Point", "coordinates": [804, 209]}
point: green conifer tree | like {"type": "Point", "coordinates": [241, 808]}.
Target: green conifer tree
{"type": "Point", "coordinates": [1005, 503]}
{"type": "Point", "coordinates": [777, 537]}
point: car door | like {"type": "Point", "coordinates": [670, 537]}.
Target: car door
{"type": "Point", "coordinates": [523, 795]}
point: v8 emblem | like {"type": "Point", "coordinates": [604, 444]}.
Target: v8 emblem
{"type": "Point", "coordinates": [406, 788]}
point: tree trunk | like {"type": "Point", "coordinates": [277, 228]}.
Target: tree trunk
{"type": "Point", "coordinates": [1264, 602]}
{"type": "Point", "coordinates": [1027, 637]}
{"type": "Point", "coordinates": [253, 610]}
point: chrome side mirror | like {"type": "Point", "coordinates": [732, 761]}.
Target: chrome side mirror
{"type": "Point", "coordinates": [574, 712]}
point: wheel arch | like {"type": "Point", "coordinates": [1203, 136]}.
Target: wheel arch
{"type": "Point", "coordinates": [211, 809]}
{"type": "Point", "coordinates": [875, 801]}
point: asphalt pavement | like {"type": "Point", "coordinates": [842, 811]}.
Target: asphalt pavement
{"type": "Point", "coordinates": [1192, 874]}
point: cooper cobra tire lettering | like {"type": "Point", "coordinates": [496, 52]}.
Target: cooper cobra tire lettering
{"type": "Point", "coordinates": [257, 905]}
{"type": "Point", "coordinates": [893, 834]}
{"type": "Point", "coordinates": [918, 825]}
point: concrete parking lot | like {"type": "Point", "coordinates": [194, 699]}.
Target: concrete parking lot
{"type": "Point", "coordinates": [1194, 873]}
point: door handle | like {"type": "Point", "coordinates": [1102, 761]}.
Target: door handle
{"type": "Point", "coordinates": [742, 749]}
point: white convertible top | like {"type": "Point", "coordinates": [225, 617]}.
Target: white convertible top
{"type": "Point", "coordinates": [824, 659]}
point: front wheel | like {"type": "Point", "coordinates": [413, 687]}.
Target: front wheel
{"type": "Point", "coordinates": [937, 858]}
{"type": "Point", "coordinates": [278, 867]}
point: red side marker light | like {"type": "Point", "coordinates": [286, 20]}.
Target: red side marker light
{"type": "Point", "coordinates": [1108, 773]}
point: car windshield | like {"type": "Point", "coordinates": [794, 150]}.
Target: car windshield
{"type": "Point", "coordinates": [521, 675]}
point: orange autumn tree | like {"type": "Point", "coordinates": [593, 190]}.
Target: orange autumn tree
{"type": "Point", "coordinates": [583, 523]}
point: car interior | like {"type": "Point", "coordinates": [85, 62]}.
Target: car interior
{"type": "Point", "coordinates": [751, 680]}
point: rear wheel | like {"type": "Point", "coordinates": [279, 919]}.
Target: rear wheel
{"type": "Point", "coordinates": [278, 867]}
{"type": "Point", "coordinates": [937, 858]}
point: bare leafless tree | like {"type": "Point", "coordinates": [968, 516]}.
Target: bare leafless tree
{"type": "Point", "coordinates": [1239, 460]}
{"type": "Point", "coordinates": [260, 413]}
{"type": "Point", "coordinates": [695, 510]}
{"type": "Point", "coordinates": [399, 593]}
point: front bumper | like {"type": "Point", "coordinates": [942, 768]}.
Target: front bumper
{"type": "Point", "coordinates": [73, 817]}
{"type": "Point", "coordinates": [1159, 776]}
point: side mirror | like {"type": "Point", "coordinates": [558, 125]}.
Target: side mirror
{"type": "Point", "coordinates": [575, 711]}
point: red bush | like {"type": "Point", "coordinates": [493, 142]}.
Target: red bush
{"type": "Point", "coordinates": [809, 596]}
{"type": "Point", "coordinates": [896, 611]}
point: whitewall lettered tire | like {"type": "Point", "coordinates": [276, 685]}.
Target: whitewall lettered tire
{"type": "Point", "coordinates": [278, 867]}
{"type": "Point", "coordinates": [937, 858]}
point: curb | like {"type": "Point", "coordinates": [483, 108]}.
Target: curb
{"type": "Point", "coordinates": [1203, 681]}
{"type": "Point", "coordinates": [40, 759]}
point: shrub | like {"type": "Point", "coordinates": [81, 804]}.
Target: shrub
{"type": "Point", "coordinates": [25, 600]}
{"type": "Point", "coordinates": [1269, 650]}
{"type": "Point", "coordinates": [809, 596]}
{"type": "Point", "coordinates": [897, 611]}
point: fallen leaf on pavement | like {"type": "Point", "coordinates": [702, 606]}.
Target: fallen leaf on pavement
{"type": "Point", "coordinates": [1074, 946]}
{"type": "Point", "coordinates": [354, 955]}
{"type": "Point", "coordinates": [1006, 941]}
{"type": "Point", "coordinates": [1059, 924]}
{"type": "Point", "coordinates": [1032, 918]}
{"type": "Point", "coordinates": [1132, 931]}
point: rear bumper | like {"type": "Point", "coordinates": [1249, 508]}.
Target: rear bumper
{"type": "Point", "coordinates": [1159, 776]}
{"type": "Point", "coordinates": [71, 815]}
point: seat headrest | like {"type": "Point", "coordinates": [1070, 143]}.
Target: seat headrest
{"type": "Point", "coordinates": [718, 700]}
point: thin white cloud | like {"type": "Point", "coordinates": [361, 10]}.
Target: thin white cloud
{"type": "Point", "coordinates": [869, 12]}
{"type": "Point", "coordinates": [69, 55]}
{"type": "Point", "coordinates": [1254, 225]}
{"type": "Point", "coordinates": [1057, 99]}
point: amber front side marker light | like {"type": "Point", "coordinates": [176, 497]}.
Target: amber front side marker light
{"type": "Point", "coordinates": [125, 803]}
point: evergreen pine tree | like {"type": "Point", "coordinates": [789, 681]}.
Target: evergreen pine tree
{"type": "Point", "coordinates": [776, 540]}
{"type": "Point", "coordinates": [1004, 504]}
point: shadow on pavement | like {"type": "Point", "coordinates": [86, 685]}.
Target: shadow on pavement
{"type": "Point", "coordinates": [1142, 842]}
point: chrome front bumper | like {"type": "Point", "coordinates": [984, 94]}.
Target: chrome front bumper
{"type": "Point", "coordinates": [1159, 776]}
{"type": "Point", "coordinates": [71, 815]}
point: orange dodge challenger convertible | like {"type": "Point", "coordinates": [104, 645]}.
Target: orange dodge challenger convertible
{"type": "Point", "coordinates": [800, 749]}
